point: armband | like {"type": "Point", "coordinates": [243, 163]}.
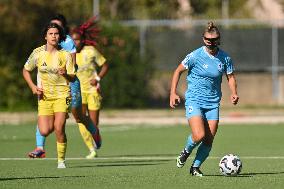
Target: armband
{"type": "Point", "coordinates": [97, 78]}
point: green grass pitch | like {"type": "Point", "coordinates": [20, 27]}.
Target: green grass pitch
{"type": "Point", "coordinates": [142, 156]}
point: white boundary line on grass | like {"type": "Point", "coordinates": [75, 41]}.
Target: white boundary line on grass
{"type": "Point", "coordinates": [140, 158]}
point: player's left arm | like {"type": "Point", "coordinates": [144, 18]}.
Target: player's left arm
{"type": "Point", "coordinates": [100, 75]}
{"type": "Point", "coordinates": [68, 71]}
{"type": "Point", "coordinates": [68, 77]}
{"type": "Point", "coordinates": [233, 87]}
{"type": "Point", "coordinates": [104, 70]}
{"type": "Point", "coordinates": [100, 61]}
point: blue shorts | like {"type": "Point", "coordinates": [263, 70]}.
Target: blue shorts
{"type": "Point", "coordinates": [208, 114]}
{"type": "Point", "coordinates": [76, 100]}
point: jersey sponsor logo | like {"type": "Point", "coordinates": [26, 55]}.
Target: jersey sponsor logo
{"type": "Point", "coordinates": [85, 67]}
{"type": "Point", "coordinates": [44, 64]}
{"type": "Point", "coordinates": [205, 66]}
{"type": "Point", "coordinates": [48, 70]}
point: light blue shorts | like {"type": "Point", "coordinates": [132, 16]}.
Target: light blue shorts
{"type": "Point", "coordinates": [208, 114]}
{"type": "Point", "coordinates": [76, 100]}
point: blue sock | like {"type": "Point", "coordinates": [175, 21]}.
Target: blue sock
{"type": "Point", "coordinates": [201, 155]}
{"type": "Point", "coordinates": [91, 128]}
{"type": "Point", "coordinates": [190, 145]}
{"type": "Point", "coordinates": [40, 140]}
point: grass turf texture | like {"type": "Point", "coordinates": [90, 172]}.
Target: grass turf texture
{"type": "Point", "coordinates": [142, 157]}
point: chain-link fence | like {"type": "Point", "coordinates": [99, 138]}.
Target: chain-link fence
{"type": "Point", "coordinates": [255, 46]}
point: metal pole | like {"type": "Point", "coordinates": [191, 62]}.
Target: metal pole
{"type": "Point", "coordinates": [142, 40]}
{"type": "Point", "coordinates": [275, 66]}
{"type": "Point", "coordinates": [225, 11]}
{"type": "Point", "coordinates": [96, 8]}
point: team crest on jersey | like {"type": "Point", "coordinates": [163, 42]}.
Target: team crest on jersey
{"type": "Point", "coordinates": [220, 67]}
{"type": "Point", "coordinates": [190, 109]}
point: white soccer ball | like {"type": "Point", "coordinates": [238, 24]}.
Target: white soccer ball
{"type": "Point", "coordinates": [230, 165]}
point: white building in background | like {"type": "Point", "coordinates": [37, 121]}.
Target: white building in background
{"type": "Point", "coordinates": [266, 9]}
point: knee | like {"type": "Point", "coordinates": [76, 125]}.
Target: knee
{"type": "Point", "coordinates": [45, 132]}
{"type": "Point", "coordinates": [197, 137]}
{"type": "Point", "coordinates": [77, 118]}
{"type": "Point", "coordinates": [96, 122]}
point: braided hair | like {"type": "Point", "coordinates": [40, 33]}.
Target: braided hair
{"type": "Point", "coordinates": [88, 31]}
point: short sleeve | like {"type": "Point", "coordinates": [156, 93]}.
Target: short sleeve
{"type": "Point", "coordinates": [31, 63]}
{"type": "Point", "coordinates": [99, 58]}
{"type": "Point", "coordinates": [188, 61]}
{"type": "Point", "coordinates": [229, 65]}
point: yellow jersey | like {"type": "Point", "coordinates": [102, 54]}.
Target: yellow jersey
{"type": "Point", "coordinates": [54, 85]}
{"type": "Point", "coordinates": [87, 60]}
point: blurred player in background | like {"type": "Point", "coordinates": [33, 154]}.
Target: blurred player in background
{"type": "Point", "coordinates": [205, 66]}
{"type": "Point", "coordinates": [86, 127]}
{"type": "Point", "coordinates": [88, 58]}
{"type": "Point", "coordinates": [55, 70]}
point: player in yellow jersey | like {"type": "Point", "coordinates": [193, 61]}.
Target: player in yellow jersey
{"type": "Point", "coordinates": [55, 71]}
{"type": "Point", "coordinates": [88, 59]}
{"type": "Point", "coordinates": [88, 131]}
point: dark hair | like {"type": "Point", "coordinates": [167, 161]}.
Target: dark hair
{"type": "Point", "coordinates": [211, 28]}
{"type": "Point", "coordinates": [88, 31]}
{"type": "Point", "coordinates": [62, 35]}
{"type": "Point", "coordinates": [63, 20]}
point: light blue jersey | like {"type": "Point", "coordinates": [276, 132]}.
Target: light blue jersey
{"type": "Point", "coordinates": [68, 44]}
{"type": "Point", "coordinates": [205, 77]}
{"type": "Point", "coordinates": [76, 101]}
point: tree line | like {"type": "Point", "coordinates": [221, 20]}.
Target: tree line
{"type": "Point", "coordinates": [127, 82]}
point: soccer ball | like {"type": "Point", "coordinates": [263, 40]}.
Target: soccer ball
{"type": "Point", "coordinates": [230, 165]}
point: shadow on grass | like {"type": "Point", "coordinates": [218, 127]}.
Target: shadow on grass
{"type": "Point", "coordinates": [126, 161]}
{"type": "Point", "coordinates": [122, 163]}
{"type": "Point", "coordinates": [143, 155]}
{"type": "Point", "coordinates": [219, 175]}
{"type": "Point", "coordinates": [265, 173]}
{"type": "Point", "coordinates": [248, 174]}
{"type": "Point", "coordinates": [31, 178]}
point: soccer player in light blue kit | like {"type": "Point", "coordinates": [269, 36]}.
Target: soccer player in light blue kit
{"type": "Point", "coordinates": [76, 101]}
{"type": "Point", "coordinates": [205, 66]}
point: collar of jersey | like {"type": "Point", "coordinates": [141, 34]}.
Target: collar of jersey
{"type": "Point", "coordinates": [210, 55]}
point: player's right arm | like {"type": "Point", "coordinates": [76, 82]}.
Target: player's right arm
{"type": "Point", "coordinates": [29, 66]}
{"type": "Point", "coordinates": [187, 63]}
{"type": "Point", "coordinates": [27, 76]}
{"type": "Point", "coordinates": [176, 76]}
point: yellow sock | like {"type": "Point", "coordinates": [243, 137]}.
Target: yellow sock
{"type": "Point", "coordinates": [87, 137]}
{"type": "Point", "coordinates": [61, 151]}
